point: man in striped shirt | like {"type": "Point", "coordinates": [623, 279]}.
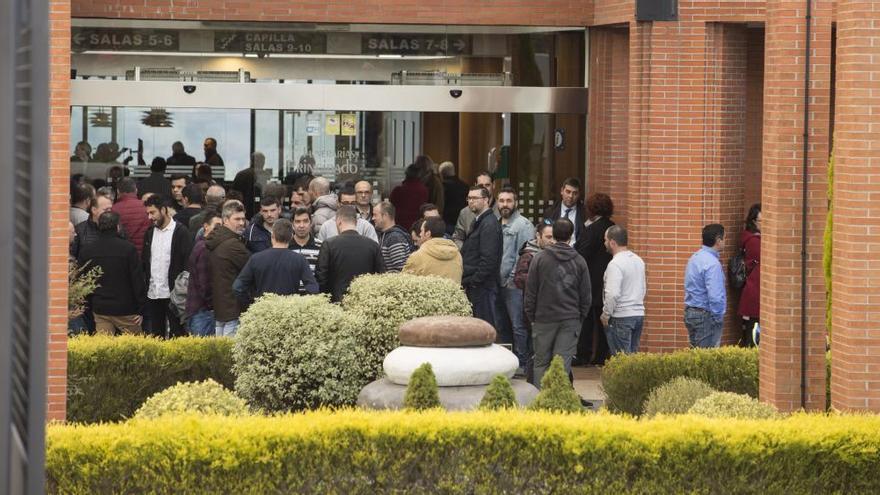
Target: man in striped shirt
{"type": "Point", "coordinates": [303, 241]}
{"type": "Point", "coordinates": [394, 241]}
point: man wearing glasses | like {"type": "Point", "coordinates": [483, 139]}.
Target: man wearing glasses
{"type": "Point", "coordinates": [481, 256]}
{"type": "Point", "coordinates": [466, 216]}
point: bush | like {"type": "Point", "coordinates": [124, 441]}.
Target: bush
{"type": "Point", "coordinates": [422, 392]}
{"type": "Point", "coordinates": [627, 379]}
{"type": "Point", "coordinates": [676, 396]}
{"type": "Point", "coordinates": [378, 304]}
{"type": "Point", "coordinates": [499, 395]}
{"type": "Point", "coordinates": [556, 393]}
{"type": "Point", "coordinates": [207, 397]}
{"type": "Point", "coordinates": [730, 405]}
{"type": "Point", "coordinates": [294, 352]}
{"type": "Point", "coordinates": [81, 282]}
{"type": "Point", "coordinates": [362, 452]}
{"type": "Point", "coordinates": [108, 378]}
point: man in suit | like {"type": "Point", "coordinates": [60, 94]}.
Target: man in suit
{"type": "Point", "coordinates": [570, 206]}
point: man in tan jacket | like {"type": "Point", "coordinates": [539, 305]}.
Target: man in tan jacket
{"type": "Point", "coordinates": [436, 256]}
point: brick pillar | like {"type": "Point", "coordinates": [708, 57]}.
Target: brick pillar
{"type": "Point", "coordinates": [59, 192]}
{"type": "Point", "coordinates": [780, 361]}
{"type": "Point", "coordinates": [855, 382]}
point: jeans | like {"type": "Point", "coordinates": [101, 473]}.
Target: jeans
{"type": "Point", "coordinates": [226, 328]}
{"type": "Point", "coordinates": [704, 331]}
{"type": "Point", "coordinates": [558, 338]}
{"type": "Point", "coordinates": [202, 323]}
{"type": "Point", "coordinates": [483, 301]}
{"type": "Point", "coordinates": [511, 322]}
{"type": "Point", "coordinates": [624, 334]}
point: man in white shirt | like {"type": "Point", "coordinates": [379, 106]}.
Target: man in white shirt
{"type": "Point", "coordinates": [167, 245]}
{"type": "Point", "coordinates": [623, 312]}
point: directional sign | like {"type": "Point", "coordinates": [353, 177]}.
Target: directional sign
{"type": "Point", "coordinates": [124, 39]}
{"type": "Point", "coordinates": [415, 44]}
{"type": "Point", "coordinates": [269, 42]}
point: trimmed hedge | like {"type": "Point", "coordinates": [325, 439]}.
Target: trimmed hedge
{"type": "Point", "coordinates": [109, 378]}
{"type": "Point", "coordinates": [480, 452]}
{"type": "Point", "coordinates": [676, 396]}
{"type": "Point", "coordinates": [207, 397]}
{"type": "Point", "coordinates": [627, 379]}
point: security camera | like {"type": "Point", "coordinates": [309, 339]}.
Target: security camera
{"type": "Point", "coordinates": [189, 88]}
{"type": "Point", "coordinates": [455, 93]}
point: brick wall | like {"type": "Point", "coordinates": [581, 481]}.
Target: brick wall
{"type": "Point", "coordinates": [754, 118]}
{"type": "Point", "coordinates": [855, 383]}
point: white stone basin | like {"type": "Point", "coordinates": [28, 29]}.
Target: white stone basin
{"type": "Point", "coordinates": [453, 366]}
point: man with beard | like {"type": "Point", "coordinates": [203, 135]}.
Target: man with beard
{"type": "Point", "coordinates": [213, 158]}
{"type": "Point", "coordinates": [167, 245]}
{"type": "Point", "coordinates": [569, 207]}
{"type": "Point", "coordinates": [394, 241]}
{"type": "Point", "coordinates": [481, 256]}
{"type": "Point", "coordinates": [466, 217]}
{"type": "Point", "coordinates": [227, 256]}
{"type": "Point", "coordinates": [258, 235]}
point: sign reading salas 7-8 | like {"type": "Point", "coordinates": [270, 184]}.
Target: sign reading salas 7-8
{"type": "Point", "coordinates": [124, 39]}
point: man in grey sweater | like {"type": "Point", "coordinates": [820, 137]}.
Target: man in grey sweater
{"type": "Point", "coordinates": [623, 313]}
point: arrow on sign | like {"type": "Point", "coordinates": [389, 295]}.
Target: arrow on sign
{"type": "Point", "coordinates": [78, 38]}
{"type": "Point", "coordinates": [459, 45]}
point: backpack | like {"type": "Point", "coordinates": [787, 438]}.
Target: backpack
{"type": "Point", "coordinates": [736, 270]}
{"type": "Point", "coordinates": [177, 302]}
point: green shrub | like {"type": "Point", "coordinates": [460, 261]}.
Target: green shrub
{"type": "Point", "coordinates": [422, 392]}
{"type": "Point", "coordinates": [556, 393]}
{"type": "Point", "coordinates": [730, 405]}
{"type": "Point", "coordinates": [360, 452]}
{"type": "Point", "coordinates": [676, 396]}
{"type": "Point", "coordinates": [499, 395]}
{"type": "Point", "coordinates": [294, 352]}
{"type": "Point", "coordinates": [627, 379]}
{"type": "Point", "coordinates": [108, 378]}
{"type": "Point", "coordinates": [207, 397]}
{"type": "Point", "coordinates": [81, 282]}
{"type": "Point", "coordinates": [376, 305]}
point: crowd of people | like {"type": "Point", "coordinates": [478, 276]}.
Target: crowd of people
{"type": "Point", "coordinates": [184, 255]}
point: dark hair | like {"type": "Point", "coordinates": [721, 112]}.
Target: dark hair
{"type": "Point", "coordinates": [347, 190]}
{"type": "Point", "coordinates": [302, 183]}
{"type": "Point", "coordinates": [509, 190]}
{"type": "Point", "coordinates": [158, 201]}
{"type": "Point", "coordinates": [412, 172]}
{"type": "Point", "coordinates": [213, 141]}
{"type": "Point", "coordinates": [277, 190]}
{"type": "Point", "coordinates": [617, 234]}
{"type": "Point", "coordinates": [752, 217]}
{"type": "Point", "coordinates": [425, 166]}
{"type": "Point", "coordinates": [417, 227]}
{"type": "Point", "coordinates": [544, 224]}
{"type": "Point", "coordinates": [388, 208]}
{"type": "Point", "coordinates": [108, 222]}
{"type": "Point", "coordinates": [158, 165]}
{"type": "Point", "coordinates": [427, 207]}
{"type": "Point", "coordinates": [81, 192]}
{"type": "Point", "coordinates": [126, 185]}
{"type": "Point", "coordinates": [572, 182]}
{"type": "Point", "coordinates": [193, 194]}
{"type": "Point", "coordinates": [483, 172]}
{"type": "Point", "coordinates": [436, 226]}
{"type": "Point", "coordinates": [282, 231]}
{"type": "Point", "coordinates": [175, 177]}
{"type": "Point", "coordinates": [302, 211]}
{"type": "Point", "coordinates": [210, 214]}
{"type": "Point", "coordinates": [711, 234]}
{"type": "Point", "coordinates": [600, 204]}
{"type": "Point", "coordinates": [562, 230]}
{"type": "Point", "coordinates": [483, 191]}
{"type": "Point", "coordinates": [236, 195]}
{"type": "Point", "coordinates": [269, 201]}
{"type": "Point", "coordinates": [203, 171]}
{"type": "Point", "coordinates": [347, 214]}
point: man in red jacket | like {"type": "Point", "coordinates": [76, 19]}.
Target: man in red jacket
{"type": "Point", "coordinates": [408, 197]}
{"type": "Point", "coordinates": [132, 213]}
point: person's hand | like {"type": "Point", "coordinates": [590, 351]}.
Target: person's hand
{"type": "Point", "coordinates": [604, 319]}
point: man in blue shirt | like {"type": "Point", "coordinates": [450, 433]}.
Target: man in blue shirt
{"type": "Point", "coordinates": [705, 299]}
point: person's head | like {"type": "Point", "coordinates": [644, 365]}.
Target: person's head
{"type": "Point", "coordinates": [544, 234]}
{"type": "Point", "coordinates": [484, 179]}
{"type": "Point", "coordinates": [570, 192]}
{"type": "Point", "coordinates": [210, 146]}
{"type": "Point", "coordinates": [425, 165]}
{"type": "Point", "coordinates": [126, 185]}
{"type": "Point", "coordinates": [600, 204]}
{"type": "Point", "coordinates": [364, 192]}
{"type": "Point", "coordinates": [428, 210]}
{"type": "Point", "coordinates": [81, 194]}
{"type": "Point", "coordinates": [215, 196]}
{"type": "Point", "coordinates": [211, 220]}
{"type": "Point", "coordinates": [506, 201]}
{"type": "Point", "coordinates": [300, 196]}
{"type": "Point", "coordinates": [236, 195]}
{"type": "Point", "coordinates": [177, 148]}
{"type": "Point", "coordinates": [233, 216]}
{"type": "Point", "coordinates": [415, 232]}
{"type": "Point", "coordinates": [447, 169]}
{"type": "Point", "coordinates": [562, 230]}
{"type": "Point", "coordinates": [282, 233]}
{"type": "Point", "coordinates": [192, 195]}
{"type": "Point", "coordinates": [258, 160]}
{"type": "Point", "coordinates": [178, 182]}
{"type": "Point", "coordinates": [302, 223]}
{"type": "Point", "coordinates": [158, 166]}
{"type": "Point", "coordinates": [204, 172]}
{"type": "Point", "coordinates": [108, 222]}
{"type": "Point", "coordinates": [346, 196]}
{"type": "Point", "coordinates": [319, 186]}
{"type": "Point", "coordinates": [346, 218]}
{"type": "Point", "coordinates": [157, 210]}
{"type": "Point", "coordinates": [753, 219]}
{"type": "Point", "coordinates": [478, 199]}
{"type": "Point", "coordinates": [83, 150]}
{"type": "Point", "coordinates": [270, 210]}
{"type": "Point", "coordinates": [107, 192]}
{"type": "Point", "coordinates": [432, 228]}
{"type": "Point", "coordinates": [412, 172]}
{"type": "Point", "coordinates": [276, 190]}
{"type": "Point", "coordinates": [616, 239]}
{"type": "Point", "coordinates": [98, 206]}
{"type": "Point", "coordinates": [713, 236]}
{"type": "Point", "coordinates": [384, 215]}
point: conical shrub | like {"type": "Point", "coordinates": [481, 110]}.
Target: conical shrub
{"type": "Point", "coordinates": [556, 392]}
{"type": "Point", "coordinates": [499, 394]}
{"type": "Point", "coordinates": [421, 392]}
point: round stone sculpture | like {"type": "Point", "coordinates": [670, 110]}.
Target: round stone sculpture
{"type": "Point", "coordinates": [382, 394]}
{"type": "Point", "coordinates": [446, 331]}
{"type": "Point", "coordinates": [453, 366]}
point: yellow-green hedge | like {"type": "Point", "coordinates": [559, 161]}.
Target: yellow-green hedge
{"type": "Point", "coordinates": [483, 452]}
{"type": "Point", "coordinates": [108, 378]}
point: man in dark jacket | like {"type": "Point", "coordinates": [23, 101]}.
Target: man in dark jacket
{"type": "Point", "coordinates": [481, 256]}
{"type": "Point", "coordinates": [345, 256]}
{"type": "Point", "coordinates": [167, 245]}
{"type": "Point", "coordinates": [455, 193]}
{"type": "Point", "coordinates": [557, 299]}
{"type": "Point", "coordinates": [213, 158]}
{"type": "Point", "coordinates": [395, 242]}
{"type": "Point", "coordinates": [132, 214]}
{"type": "Point", "coordinates": [199, 308]}
{"type": "Point", "coordinates": [257, 235]}
{"type": "Point", "coordinates": [278, 269]}
{"type": "Point", "coordinates": [179, 156]}
{"type": "Point", "coordinates": [228, 256]}
{"type": "Point", "coordinates": [156, 183]}
{"type": "Point", "coordinates": [87, 232]}
{"type": "Point", "coordinates": [121, 291]}
{"type": "Point", "coordinates": [570, 206]}
{"type": "Point", "coordinates": [192, 204]}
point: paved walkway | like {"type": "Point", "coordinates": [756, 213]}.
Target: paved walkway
{"type": "Point", "coordinates": [587, 384]}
